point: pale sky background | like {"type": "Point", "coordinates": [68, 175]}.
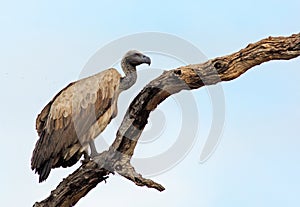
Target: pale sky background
{"type": "Point", "coordinates": [45, 45]}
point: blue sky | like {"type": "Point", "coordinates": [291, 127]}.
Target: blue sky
{"type": "Point", "coordinates": [45, 45]}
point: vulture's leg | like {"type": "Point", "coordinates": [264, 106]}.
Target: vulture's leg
{"type": "Point", "coordinates": [94, 152]}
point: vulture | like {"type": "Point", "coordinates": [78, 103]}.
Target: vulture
{"type": "Point", "coordinates": [71, 121]}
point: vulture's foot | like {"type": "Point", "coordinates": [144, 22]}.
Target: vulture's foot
{"type": "Point", "coordinates": [86, 158]}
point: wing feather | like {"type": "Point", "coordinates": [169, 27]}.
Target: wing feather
{"type": "Point", "coordinates": [68, 117]}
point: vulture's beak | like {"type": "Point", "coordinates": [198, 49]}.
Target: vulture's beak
{"type": "Point", "coordinates": [146, 59]}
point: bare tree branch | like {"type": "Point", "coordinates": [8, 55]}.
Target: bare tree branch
{"type": "Point", "coordinates": [117, 158]}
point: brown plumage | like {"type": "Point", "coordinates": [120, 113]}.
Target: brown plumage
{"type": "Point", "coordinates": [78, 114]}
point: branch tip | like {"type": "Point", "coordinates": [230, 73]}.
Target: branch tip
{"type": "Point", "coordinates": [128, 171]}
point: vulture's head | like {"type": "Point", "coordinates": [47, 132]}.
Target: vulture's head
{"type": "Point", "coordinates": [135, 58]}
{"type": "Point", "coordinates": [129, 62]}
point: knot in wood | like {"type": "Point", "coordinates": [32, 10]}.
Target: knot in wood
{"type": "Point", "coordinates": [177, 72]}
{"type": "Point", "coordinates": [220, 66]}
{"type": "Point", "coordinates": [217, 65]}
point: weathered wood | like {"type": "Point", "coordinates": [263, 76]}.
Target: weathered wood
{"type": "Point", "coordinates": [75, 186]}
{"type": "Point", "coordinates": [117, 158]}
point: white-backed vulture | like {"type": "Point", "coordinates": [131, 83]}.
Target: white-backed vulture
{"type": "Point", "coordinates": [78, 114]}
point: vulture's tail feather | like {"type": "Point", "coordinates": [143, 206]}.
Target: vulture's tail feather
{"type": "Point", "coordinates": [44, 170]}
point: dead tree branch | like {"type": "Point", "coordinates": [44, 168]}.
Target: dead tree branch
{"type": "Point", "coordinates": [117, 158]}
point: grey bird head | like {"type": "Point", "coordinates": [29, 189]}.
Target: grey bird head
{"type": "Point", "coordinates": [135, 58]}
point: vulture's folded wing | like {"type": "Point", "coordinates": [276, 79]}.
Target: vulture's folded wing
{"type": "Point", "coordinates": [66, 118]}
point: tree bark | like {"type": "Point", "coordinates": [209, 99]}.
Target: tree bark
{"type": "Point", "coordinates": [117, 158]}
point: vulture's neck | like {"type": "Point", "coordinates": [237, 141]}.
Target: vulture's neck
{"type": "Point", "coordinates": [130, 76]}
